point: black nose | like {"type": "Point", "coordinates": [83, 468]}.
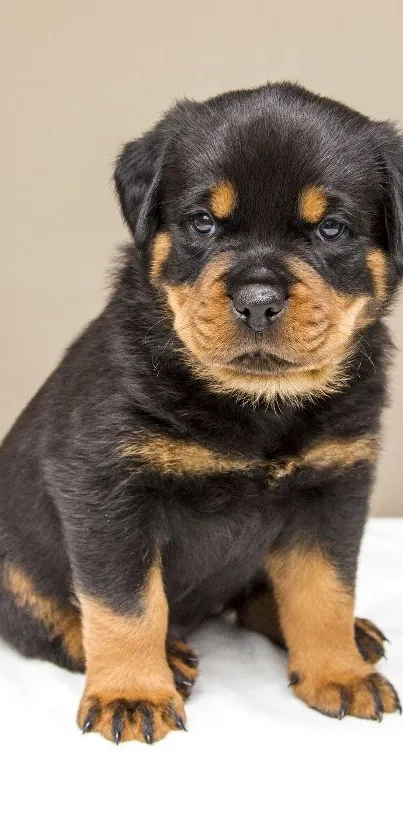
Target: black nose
{"type": "Point", "coordinates": [258, 305]}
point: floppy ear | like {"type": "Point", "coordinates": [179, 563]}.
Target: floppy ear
{"type": "Point", "coordinates": [138, 180]}
{"type": "Point", "coordinates": [392, 163]}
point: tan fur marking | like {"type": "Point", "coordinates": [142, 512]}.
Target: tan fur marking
{"type": "Point", "coordinates": [316, 611]}
{"type": "Point", "coordinates": [126, 650]}
{"type": "Point", "coordinates": [126, 660]}
{"type": "Point", "coordinates": [59, 621]}
{"type": "Point", "coordinates": [378, 266]}
{"type": "Point", "coordinates": [177, 457]}
{"type": "Point", "coordinates": [320, 322]}
{"type": "Point", "coordinates": [315, 335]}
{"type": "Point", "coordinates": [340, 315]}
{"type": "Point", "coordinates": [200, 308]}
{"type": "Point", "coordinates": [223, 200]}
{"type": "Point", "coordinates": [294, 387]}
{"type": "Point", "coordinates": [317, 617]}
{"type": "Point", "coordinates": [177, 296]}
{"type": "Point", "coordinates": [343, 452]}
{"type": "Point", "coordinates": [312, 204]}
{"type": "Point", "coordinates": [330, 454]}
{"type": "Point", "coordinates": [160, 251]}
{"type": "Point", "coordinates": [205, 324]}
{"type": "Point", "coordinates": [259, 613]}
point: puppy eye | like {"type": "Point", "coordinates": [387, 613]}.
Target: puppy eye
{"type": "Point", "coordinates": [203, 223]}
{"type": "Point", "coordinates": [330, 229]}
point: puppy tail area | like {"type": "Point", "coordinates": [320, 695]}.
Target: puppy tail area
{"type": "Point", "coordinates": [38, 626]}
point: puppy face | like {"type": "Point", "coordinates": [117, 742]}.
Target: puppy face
{"type": "Point", "coordinates": [271, 223]}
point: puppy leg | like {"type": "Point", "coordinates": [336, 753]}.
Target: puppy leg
{"type": "Point", "coordinates": [325, 667]}
{"type": "Point", "coordinates": [130, 691]}
{"type": "Point", "coordinates": [258, 611]}
{"type": "Point", "coordinates": [313, 570]}
{"type": "Point", "coordinates": [37, 624]}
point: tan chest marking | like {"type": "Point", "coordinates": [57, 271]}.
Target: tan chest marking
{"type": "Point", "coordinates": [180, 458]}
{"type": "Point", "coordinates": [330, 454]}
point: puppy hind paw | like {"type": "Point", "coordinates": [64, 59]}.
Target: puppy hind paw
{"type": "Point", "coordinates": [184, 665]}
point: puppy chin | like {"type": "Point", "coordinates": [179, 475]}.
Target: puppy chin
{"type": "Point", "coordinates": [261, 362]}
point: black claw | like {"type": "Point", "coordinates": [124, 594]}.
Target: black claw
{"type": "Point", "coordinates": [182, 683]}
{"type": "Point", "coordinates": [90, 719]}
{"type": "Point", "coordinates": [117, 724]}
{"type": "Point", "coordinates": [187, 656]}
{"type": "Point", "coordinates": [179, 722]}
{"type": "Point", "coordinates": [396, 698]}
{"type": "Point", "coordinates": [326, 713]}
{"type": "Point", "coordinates": [344, 704]}
{"type": "Point", "coordinates": [189, 659]}
{"type": "Point", "coordinates": [365, 625]}
{"type": "Point", "coordinates": [295, 678]}
{"type": "Point", "coordinates": [147, 728]}
{"type": "Point", "coordinates": [378, 704]}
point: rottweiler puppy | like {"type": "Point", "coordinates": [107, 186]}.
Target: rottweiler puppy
{"type": "Point", "coordinates": [209, 442]}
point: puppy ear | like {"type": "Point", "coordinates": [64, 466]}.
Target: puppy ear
{"type": "Point", "coordinates": [392, 164]}
{"type": "Point", "coordinates": [138, 180]}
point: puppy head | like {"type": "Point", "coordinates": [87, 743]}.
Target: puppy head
{"type": "Point", "coordinates": [271, 221]}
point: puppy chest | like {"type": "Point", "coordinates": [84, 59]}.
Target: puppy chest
{"type": "Point", "coordinates": [219, 533]}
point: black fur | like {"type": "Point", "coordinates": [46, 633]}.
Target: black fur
{"type": "Point", "coordinates": [73, 512]}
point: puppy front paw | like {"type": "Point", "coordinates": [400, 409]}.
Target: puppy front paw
{"type": "Point", "coordinates": [132, 715]}
{"type": "Point", "coordinates": [366, 695]}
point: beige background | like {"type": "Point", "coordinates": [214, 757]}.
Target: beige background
{"type": "Point", "coordinates": [82, 76]}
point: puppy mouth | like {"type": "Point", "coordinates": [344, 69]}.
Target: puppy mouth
{"type": "Point", "coordinates": [257, 361]}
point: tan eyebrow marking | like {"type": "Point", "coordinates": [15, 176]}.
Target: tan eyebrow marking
{"type": "Point", "coordinates": [312, 204]}
{"type": "Point", "coordinates": [223, 199]}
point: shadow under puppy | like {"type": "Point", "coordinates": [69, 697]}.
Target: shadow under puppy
{"type": "Point", "coordinates": [210, 440]}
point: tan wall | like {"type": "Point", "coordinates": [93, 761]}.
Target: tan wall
{"type": "Point", "coordinates": [81, 76]}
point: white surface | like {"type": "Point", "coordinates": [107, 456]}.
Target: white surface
{"type": "Point", "coordinates": [254, 762]}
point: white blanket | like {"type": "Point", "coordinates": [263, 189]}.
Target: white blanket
{"type": "Point", "coordinates": [254, 762]}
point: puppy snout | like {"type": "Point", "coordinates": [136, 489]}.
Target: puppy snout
{"type": "Point", "coordinates": [258, 304]}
